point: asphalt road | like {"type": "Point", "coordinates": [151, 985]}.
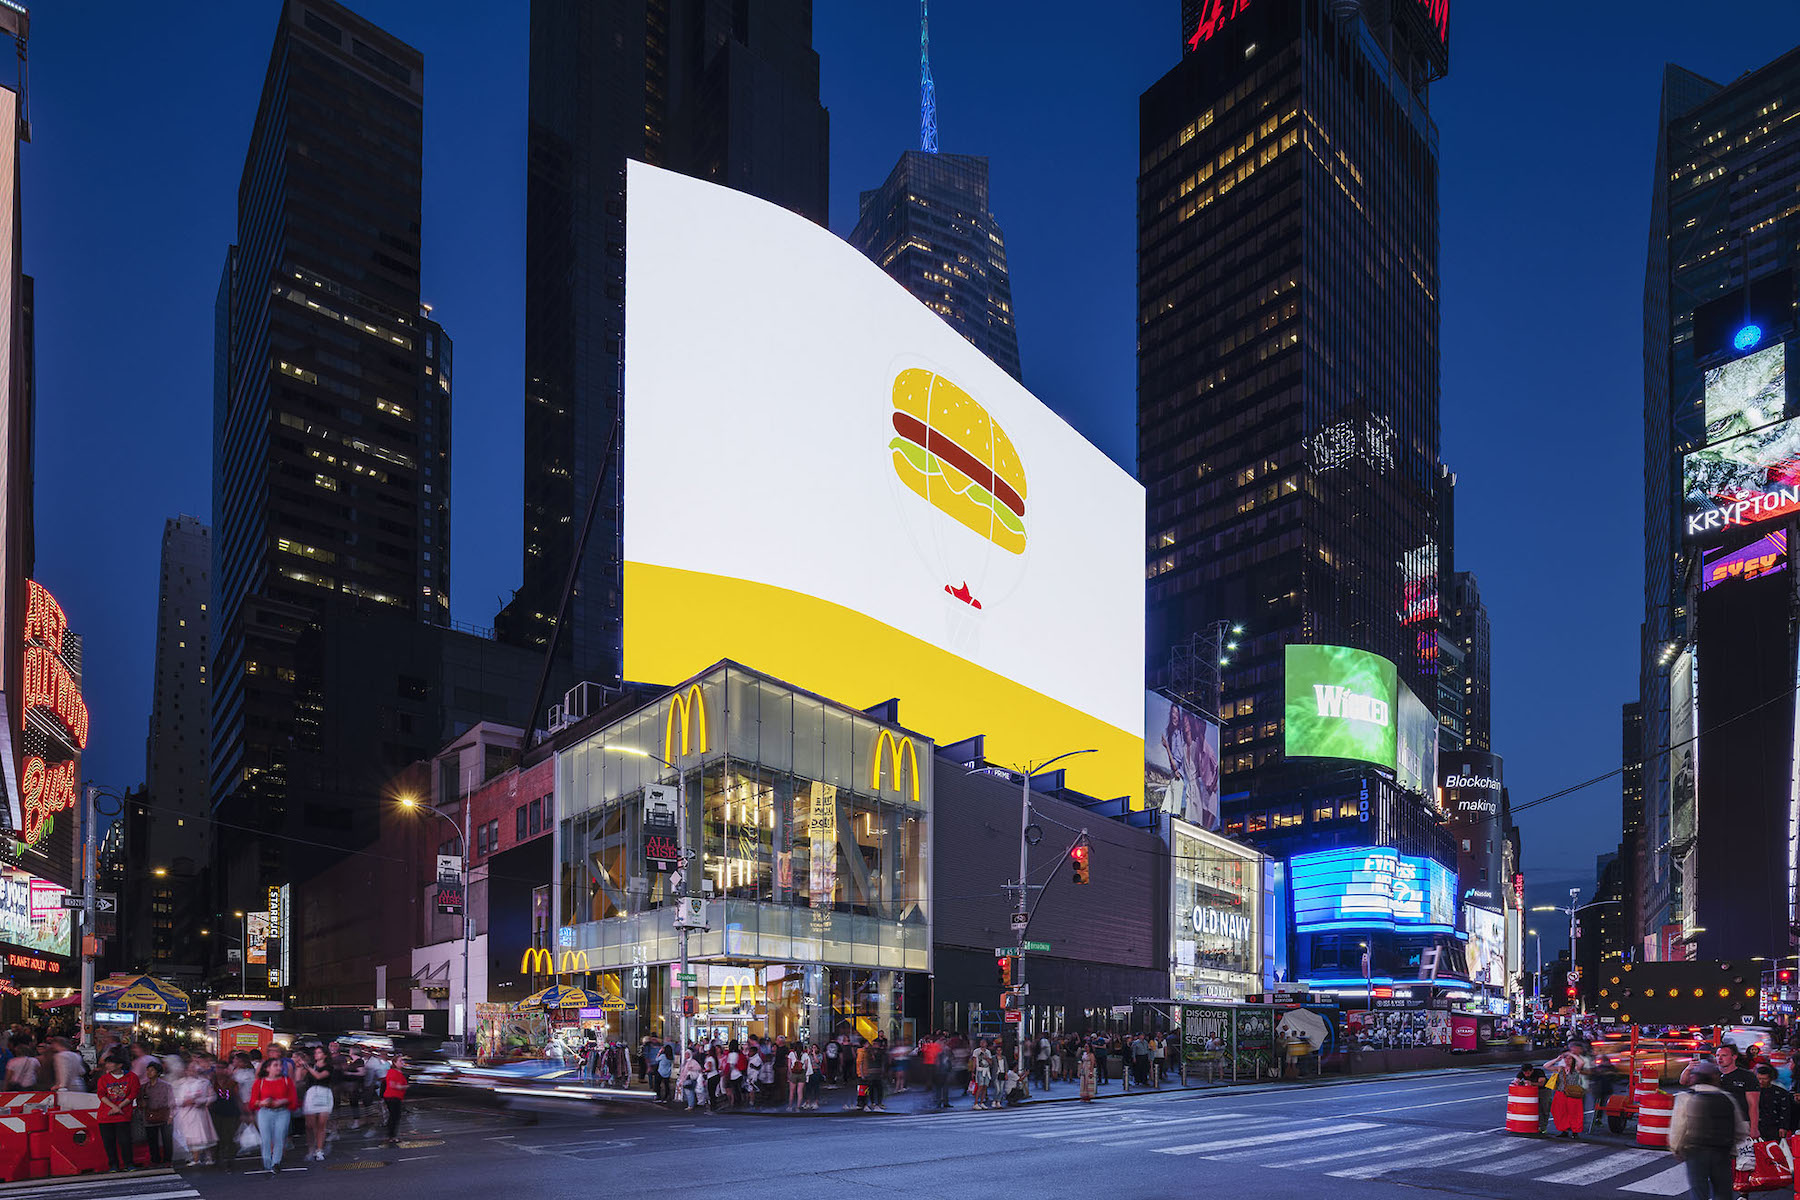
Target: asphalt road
{"type": "Point", "coordinates": [1433, 1132]}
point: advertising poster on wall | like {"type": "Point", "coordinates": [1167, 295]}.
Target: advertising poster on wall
{"type": "Point", "coordinates": [1253, 1040]}
{"type": "Point", "coordinates": [940, 535]}
{"type": "Point", "coordinates": [1683, 747]}
{"type": "Point", "coordinates": [1746, 394]}
{"type": "Point", "coordinates": [256, 939]}
{"type": "Point", "coordinates": [1765, 556]}
{"type": "Point", "coordinates": [31, 914]}
{"type": "Point", "coordinates": [1360, 887]}
{"type": "Point", "coordinates": [1181, 762]}
{"type": "Point", "coordinates": [1339, 703]}
{"type": "Point", "coordinates": [1205, 1030]}
{"type": "Point", "coordinates": [1742, 481]}
{"type": "Point", "coordinates": [1487, 946]}
{"type": "Point", "coordinates": [1472, 786]}
{"type": "Point", "coordinates": [1416, 764]}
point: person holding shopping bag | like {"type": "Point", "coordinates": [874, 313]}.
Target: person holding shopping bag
{"type": "Point", "coordinates": [272, 1099]}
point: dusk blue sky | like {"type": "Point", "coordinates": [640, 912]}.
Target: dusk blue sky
{"type": "Point", "coordinates": [141, 117]}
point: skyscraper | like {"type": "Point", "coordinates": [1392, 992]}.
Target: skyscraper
{"type": "Point", "coordinates": [928, 225]}
{"type": "Point", "coordinates": [1466, 624]}
{"type": "Point", "coordinates": [16, 397]}
{"type": "Point", "coordinates": [726, 91]}
{"type": "Point", "coordinates": [331, 444]}
{"type": "Point", "coordinates": [1719, 287]}
{"type": "Point", "coordinates": [178, 825]}
{"type": "Point", "coordinates": [1288, 346]}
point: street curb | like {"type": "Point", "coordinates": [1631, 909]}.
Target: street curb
{"type": "Point", "coordinates": [90, 1178]}
{"type": "Point", "coordinates": [1227, 1089]}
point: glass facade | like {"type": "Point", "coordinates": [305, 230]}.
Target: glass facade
{"type": "Point", "coordinates": [1288, 357]}
{"type": "Point", "coordinates": [1216, 917]}
{"type": "Point", "coordinates": [812, 824]}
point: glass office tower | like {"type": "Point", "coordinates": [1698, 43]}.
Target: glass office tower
{"type": "Point", "coordinates": [928, 226]}
{"type": "Point", "coordinates": [1288, 349]}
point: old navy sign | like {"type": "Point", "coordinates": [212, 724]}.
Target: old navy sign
{"type": "Point", "coordinates": [1219, 922]}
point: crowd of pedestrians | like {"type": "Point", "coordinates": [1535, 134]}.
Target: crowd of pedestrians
{"type": "Point", "coordinates": [200, 1109]}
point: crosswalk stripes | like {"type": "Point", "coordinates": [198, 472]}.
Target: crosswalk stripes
{"type": "Point", "coordinates": [1343, 1146]}
{"type": "Point", "coordinates": [1616, 1163]}
{"type": "Point", "coordinates": [167, 1186]}
{"type": "Point", "coordinates": [1286, 1135]}
{"type": "Point", "coordinates": [1672, 1182]}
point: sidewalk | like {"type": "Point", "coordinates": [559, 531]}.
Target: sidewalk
{"type": "Point", "coordinates": [919, 1100]}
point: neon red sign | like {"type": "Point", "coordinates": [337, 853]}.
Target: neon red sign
{"type": "Point", "coordinates": [48, 790]}
{"type": "Point", "coordinates": [48, 681]}
{"type": "Point", "coordinates": [1437, 12]}
{"type": "Point", "coordinates": [1215, 15]}
{"type": "Point", "coordinates": [30, 962]}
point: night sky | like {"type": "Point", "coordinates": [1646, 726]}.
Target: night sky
{"type": "Point", "coordinates": [141, 119]}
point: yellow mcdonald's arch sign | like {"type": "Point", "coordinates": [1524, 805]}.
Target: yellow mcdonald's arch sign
{"type": "Point", "coordinates": [899, 751]}
{"type": "Point", "coordinates": [685, 709]}
{"type": "Point", "coordinates": [574, 961]}
{"type": "Point", "coordinates": [737, 984]}
{"type": "Point", "coordinates": [537, 961]}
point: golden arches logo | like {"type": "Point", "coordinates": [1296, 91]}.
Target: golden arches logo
{"type": "Point", "coordinates": [899, 751]}
{"type": "Point", "coordinates": [688, 709]}
{"type": "Point", "coordinates": [537, 961]}
{"type": "Point", "coordinates": [736, 986]}
{"type": "Point", "coordinates": [574, 961]}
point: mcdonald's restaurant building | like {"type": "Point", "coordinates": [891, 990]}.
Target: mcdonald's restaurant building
{"type": "Point", "coordinates": [813, 822]}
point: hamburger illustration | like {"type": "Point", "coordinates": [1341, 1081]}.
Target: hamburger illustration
{"type": "Point", "coordinates": [948, 450]}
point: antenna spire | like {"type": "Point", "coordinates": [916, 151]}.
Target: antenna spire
{"type": "Point", "coordinates": [927, 92]}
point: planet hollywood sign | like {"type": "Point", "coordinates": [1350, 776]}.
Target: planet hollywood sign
{"type": "Point", "coordinates": [47, 780]}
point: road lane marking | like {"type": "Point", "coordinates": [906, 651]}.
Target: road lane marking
{"type": "Point", "coordinates": [1672, 1182]}
{"type": "Point", "coordinates": [1616, 1163]}
{"type": "Point", "coordinates": [1285, 1136]}
{"type": "Point", "coordinates": [1410, 1143]}
{"type": "Point", "coordinates": [1524, 1162]}
{"type": "Point", "coordinates": [1140, 1136]}
{"type": "Point", "coordinates": [1412, 1107]}
{"type": "Point", "coordinates": [1411, 1162]}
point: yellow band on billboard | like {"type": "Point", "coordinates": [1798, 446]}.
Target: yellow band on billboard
{"type": "Point", "coordinates": [899, 752]}
{"type": "Point", "coordinates": [683, 709]}
{"type": "Point", "coordinates": [678, 623]}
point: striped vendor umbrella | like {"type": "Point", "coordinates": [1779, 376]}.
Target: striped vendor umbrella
{"type": "Point", "coordinates": [142, 993]}
{"type": "Point", "coordinates": [559, 995]}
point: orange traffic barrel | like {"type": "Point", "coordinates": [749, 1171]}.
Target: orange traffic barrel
{"type": "Point", "coordinates": [1654, 1111]}
{"type": "Point", "coordinates": [1645, 1080]}
{"type": "Point", "coordinates": [1522, 1108]}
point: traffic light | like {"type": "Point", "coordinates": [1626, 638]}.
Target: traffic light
{"type": "Point", "coordinates": [1004, 963]}
{"type": "Point", "coordinates": [1784, 977]}
{"type": "Point", "coordinates": [1569, 991]}
{"type": "Point", "coordinates": [1078, 859]}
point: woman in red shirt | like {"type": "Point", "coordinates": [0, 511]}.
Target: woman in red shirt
{"type": "Point", "coordinates": [272, 1099]}
{"type": "Point", "coordinates": [117, 1091]}
{"type": "Point", "coordinates": [393, 1094]}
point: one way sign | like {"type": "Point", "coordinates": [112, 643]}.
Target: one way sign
{"type": "Point", "coordinates": [104, 902]}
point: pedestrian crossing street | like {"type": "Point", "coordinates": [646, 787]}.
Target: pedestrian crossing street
{"type": "Point", "coordinates": [1342, 1147]}
{"type": "Point", "coordinates": [138, 1186]}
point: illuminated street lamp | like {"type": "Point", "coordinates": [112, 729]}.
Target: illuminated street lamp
{"type": "Point", "coordinates": [411, 804]}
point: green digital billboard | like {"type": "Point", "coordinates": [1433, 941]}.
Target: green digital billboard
{"type": "Point", "coordinates": [1341, 704]}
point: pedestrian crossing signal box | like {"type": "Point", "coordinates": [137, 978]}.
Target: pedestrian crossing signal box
{"type": "Point", "coordinates": [687, 1006]}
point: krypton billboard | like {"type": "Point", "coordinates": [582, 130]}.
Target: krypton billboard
{"type": "Point", "coordinates": [1749, 471]}
{"type": "Point", "coordinates": [1471, 785]}
{"type": "Point", "coordinates": [824, 481]}
{"type": "Point", "coordinates": [1181, 761]}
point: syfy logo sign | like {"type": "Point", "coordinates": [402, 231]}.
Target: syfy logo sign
{"type": "Point", "coordinates": [1336, 700]}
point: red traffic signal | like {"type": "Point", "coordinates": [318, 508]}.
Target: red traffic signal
{"type": "Point", "coordinates": [1785, 975]}
{"type": "Point", "coordinates": [1570, 991]}
{"type": "Point", "coordinates": [1078, 860]}
{"type": "Point", "coordinates": [1004, 963]}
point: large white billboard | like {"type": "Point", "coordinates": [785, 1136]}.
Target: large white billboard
{"type": "Point", "coordinates": [824, 481]}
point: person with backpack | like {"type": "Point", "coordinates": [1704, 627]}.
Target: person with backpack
{"type": "Point", "coordinates": [1704, 1131]}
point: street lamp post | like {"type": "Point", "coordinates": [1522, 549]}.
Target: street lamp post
{"type": "Point", "coordinates": [1022, 915]}
{"type": "Point", "coordinates": [468, 923]}
{"type": "Point", "coordinates": [1537, 980]}
{"type": "Point", "coordinates": [1569, 910]}
{"type": "Point", "coordinates": [681, 889]}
